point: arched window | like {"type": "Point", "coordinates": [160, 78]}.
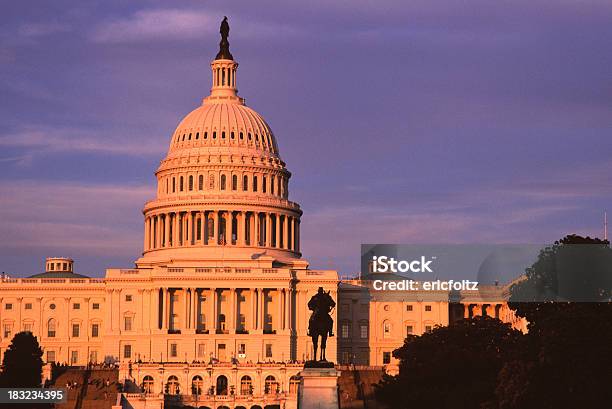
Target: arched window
{"type": "Point", "coordinates": [51, 328]}
{"type": "Point", "coordinates": [190, 182]}
{"type": "Point", "coordinates": [200, 182]}
{"type": "Point", "coordinates": [181, 185]}
{"type": "Point", "coordinates": [147, 384]}
{"type": "Point", "coordinates": [221, 385]}
{"type": "Point", "coordinates": [294, 382]}
{"type": "Point", "coordinates": [234, 182]}
{"type": "Point", "coordinates": [223, 178]}
{"type": "Point", "coordinates": [245, 183]}
{"type": "Point", "coordinates": [223, 135]}
{"type": "Point", "coordinates": [232, 135]}
{"type": "Point", "coordinates": [172, 387]}
{"type": "Point", "coordinates": [197, 385]}
{"type": "Point", "coordinates": [271, 386]}
{"type": "Point", "coordinates": [386, 329]}
{"type": "Point", "coordinates": [241, 135]}
{"type": "Point", "coordinates": [246, 385]}
{"type": "Point", "coordinates": [254, 183]}
{"type": "Point", "coordinates": [173, 184]}
{"type": "Point", "coordinates": [263, 184]}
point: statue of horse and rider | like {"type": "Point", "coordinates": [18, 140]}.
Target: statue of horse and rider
{"type": "Point", "coordinates": [320, 323]}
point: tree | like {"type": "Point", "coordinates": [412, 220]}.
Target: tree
{"type": "Point", "coordinates": [566, 299]}
{"type": "Point", "coordinates": [22, 364]}
{"type": "Point", "coordinates": [450, 367]}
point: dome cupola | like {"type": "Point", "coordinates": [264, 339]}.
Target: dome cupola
{"type": "Point", "coordinates": [222, 189]}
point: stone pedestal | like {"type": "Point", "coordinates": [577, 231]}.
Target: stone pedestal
{"type": "Point", "coordinates": [318, 388]}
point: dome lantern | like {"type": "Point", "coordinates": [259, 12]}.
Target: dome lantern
{"type": "Point", "coordinates": [224, 68]}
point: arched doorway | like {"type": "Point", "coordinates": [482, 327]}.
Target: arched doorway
{"type": "Point", "coordinates": [271, 386]}
{"type": "Point", "coordinates": [246, 385]}
{"type": "Point", "coordinates": [147, 384]}
{"type": "Point", "coordinates": [172, 386]}
{"type": "Point", "coordinates": [197, 385]}
{"type": "Point", "coordinates": [221, 385]}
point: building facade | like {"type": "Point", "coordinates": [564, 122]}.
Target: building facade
{"type": "Point", "coordinates": [215, 307]}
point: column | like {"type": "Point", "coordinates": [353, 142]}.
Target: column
{"type": "Point", "coordinates": [167, 230]}
{"type": "Point", "coordinates": [232, 311]}
{"type": "Point", "coordinates": [290, 232]}
{"type": "Point", "coordinates": [189, 229]}
{"type": "Point", "coordinates": [241, 231]}
{"type": "Point", "coordinates": [288, 309]}
{"type": "Point", "coordinates": [154, 302]}
{"type": "Point", "coordinates": [211, 322]}
{"type": "Point", "coordinates": [215, 228]}
{"type": "Point", "coordinates": [286, 233]}
{"type": "Point", "coordinates": [268, 230]}
{"type": "Point", "coordinates": [164, 308]}
{"type": "Point", "coordinates": [195, 300]}
{"type": "Point", "coordinates": [175, 229]}
{"type": "Point", "coordinates": [253, 315]}
{"type": "Point", "coordinates": [278, 325]}
{"type": "Point", "coordinates": [139, 314]}
{"type": "Point", "coordinates": [185, 320]}
{"type": "Point", "coordinates": [277, 228]}
{"type": "Point", "coordinates": [228, 228]}
{"type": "Point", "coordinates": [260, 309]}
{"type": "Point", "coordinates": [297, 236]}
{"type": "Point", "coordinates": [146, 234]}
{"type": "Point", "coordinates": [255, 234]}
{"type": "Point", "coordinates": [202, 228]}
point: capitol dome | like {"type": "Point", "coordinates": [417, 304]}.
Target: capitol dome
{"type": "Point", "coordinates": [222, 189]}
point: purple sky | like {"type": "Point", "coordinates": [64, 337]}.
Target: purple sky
{"type": "Point", "coordinates": [401, 121]}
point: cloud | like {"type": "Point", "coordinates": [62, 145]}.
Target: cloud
{"type": "Point", "coordinates": [156, 24]}
{"type": "Point", "coordinates": [47, 139]}
{"type": "Point", "coordinates": [72, 218]}
{"type": "Point", "coordinates": [182, 24]}
{"type": "Point", "coordinates": [42, 29]}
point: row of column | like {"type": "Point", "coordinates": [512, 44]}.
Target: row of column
{"type": "Point", "coordinates": [222, 227]}
{"type": "Point", "coordinates": [257, 304]}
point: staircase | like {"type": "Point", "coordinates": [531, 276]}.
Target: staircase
{"type": "Point", "coordinates": [92, 392]}
{"type": "Point", "coordinates": [356, 388]}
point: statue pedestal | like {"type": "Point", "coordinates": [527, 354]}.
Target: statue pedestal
{"type": "Point", "coordinates": [318, 388]}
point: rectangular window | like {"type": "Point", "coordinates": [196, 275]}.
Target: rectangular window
{"type": "Point", "coordinates": [363, 331]}
{"type": "Point", "coordinates": [386, 358]}
{"type": "Point", "coordinates": [428, 328]}
{"type": "Point", "coordinates": [345, 330]}
{"type": "Point", "coordinates": [386, 330]}
{"type": "Point", "coordinates": [127, 323]}
{"type": "Point", "coordinates": [95, 306]}
{"type": "Point", "coordinates": [8, 329]}
{"type": "Point", "coordinates": [173, 350]}
{"type": "Point", "coordinates": [409, 330]}
{"type": "Point", "coordinates": [428, 308]}
{"type": "Point", "coordinates": [94, 330]}
{"type": "Point", "coordinates": [409, 308]}
{"type": "Point", "coordinates": [201, 350]}
{"type": "Point", "coordinates": [93, 357]}
{"type": "Point", "coordinates": [27, 326]}
{"type": "Point", "coordinates": [268, 350]}
{"type": "Point", "coordinates": [8, 306]}
{"type": "Point", "coordinates": [128, 298]}
{"type": "Point", "coordinates": [76, 306]}
{"type": "Point", "coordinates": [241, 349]}
{"type": "Point", "coordinates": [127, 351]}
{"type": "Point", "coordinates": [76, 329]}
{"type": "Point", "coordinates": [50, 356]}
{"type": "Point", "coordinates": [28, 306]}
{"type": "Point", "coordinates": [74, 357]}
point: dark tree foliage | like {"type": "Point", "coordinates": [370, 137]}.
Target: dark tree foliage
{"type": "Point", "coordinates": [567, 360]}
{"type": "Point", "coordinates": [451, 367]}
{"type": "Point", "coordinates": [22, 364]}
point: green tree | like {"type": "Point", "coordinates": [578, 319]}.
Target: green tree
{"type": "Point", "coordinates": [22, 364]}
{"type": "Point", "coordinates": [450, 367]}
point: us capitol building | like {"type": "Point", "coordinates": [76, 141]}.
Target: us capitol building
{"type": "Point", "coordinates": [216, 304]}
